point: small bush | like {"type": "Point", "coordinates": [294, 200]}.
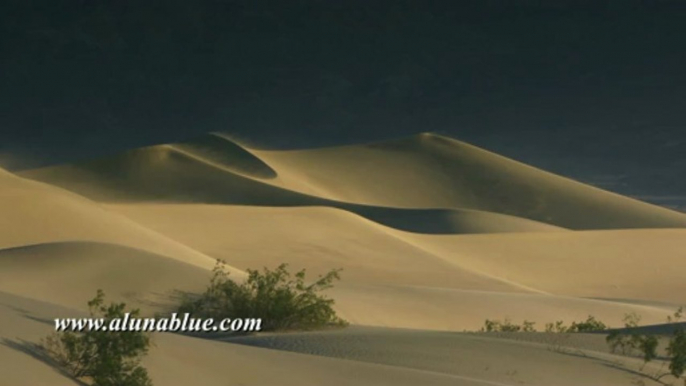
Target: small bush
{"type": "Point", "coordinates": [528, 326]}
{"type": "Point", "coordinates": [676, 348]}
{"type": "Point", "coordinates": [557, 327]}
{"type": "Point", "coordinates": [491, 326]}
{"type": "Point", "coordinates": [505, 326]}
{"type": "Point", "coordinates": [677, 351]}
{"type": "Point", "coordinates": [107, 358]}
{"type": "Point", "coordinates": [282, 301]}
{"type": "Point", "coordinates": [629, 342]}
{"type": "Point", "coordinates": [676, 318]}
{"type": "Point", "coordinates": [589, 325]}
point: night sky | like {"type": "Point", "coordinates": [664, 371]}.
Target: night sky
{"type": "Point", "coordinates": [595, 90]}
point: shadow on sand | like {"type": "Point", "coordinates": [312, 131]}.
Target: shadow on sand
{"type": "Point", "coordinates": [36, 351]}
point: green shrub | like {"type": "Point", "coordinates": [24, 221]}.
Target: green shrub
{"type": "Point", "coordinates": [677, 352]}
{"type": "Point", "coordinates": [505, 326]}
{"type": "Point", "coordinates": [677, 316]}
{"type": "Point", "coordinates": [648, 346]}
{"type": "Point", "coordinates": [107, 358]}
{"type": "Point", "coordinates": [630, 341]}
{"type": "Point", "coordinates": [557, 327]}
{"type": "Point", "coordinates": [491, 326]}
{"type": "Point", "coordinates": [557, 334]}
{"type": "Point", "coordinates": [283, 301]}
{"type": "Point", "coordinates": [528, 326]}
{"type": "Point", "coordinates": [589, 325]}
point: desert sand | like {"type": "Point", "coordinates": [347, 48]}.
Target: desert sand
{"type": "Point", "coordinates": [434, 236]}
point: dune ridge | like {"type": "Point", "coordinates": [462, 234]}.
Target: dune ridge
{"type": "Point", "coordinates": [448, 173]}
{"type": "Point", "coordinates": [166, 174]}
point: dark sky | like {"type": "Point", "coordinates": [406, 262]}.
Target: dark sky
{"type": "Point", "coordinates": [595, 90]}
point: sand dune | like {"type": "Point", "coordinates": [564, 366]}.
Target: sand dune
{"type": "Point", "coordinates": [317, 238]}
{"type": "Point", "coordinates": [468, 355]}
{"type": "Point", "coordinates": [140, 278]}
{"type": "Point", "coordinates": [223, 153]}
{"type": "Point", "coordinates": [179, 360]}
{"type": "Point", "coordinates": [426, 171]}
{"type": "Point", "coordinates": [622, 264]}
{"type": "Point", "coordinates": [387, 274]}
{"type": "Point", "coordinates": [458, 310]}
{"type": "Point", "coordinates": [433, 235]}
{"type": "Point", "coordinates": [171, 173]}
{"type": "Point", "coordinates": [166, 173]}
{"type": "Point", "coordinates": [34, 213]}
{"type": "Point", "coordinates": [368, 356]}
{"type": "Point", "coordinates": [429, 171]}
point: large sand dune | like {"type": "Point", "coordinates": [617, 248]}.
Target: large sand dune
{"type": "Point", "coordinates": [431, 171]}
{"type": "Point", "coordinates": [433, 235]}
{"type": "Point", "coordinates": [34, 213]}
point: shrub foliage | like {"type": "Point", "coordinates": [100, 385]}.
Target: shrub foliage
{"type": "Point", "coordinates": [630, 341]}
{"type": "Point", "coordinates": [106, 358]}
{"type": "Point", "coordinates": [283, 301]}
{"type": "Point", "coordinates": [590, 324]}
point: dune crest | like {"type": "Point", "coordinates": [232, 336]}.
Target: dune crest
{"type": "Point", "coordinates": [430, 171]}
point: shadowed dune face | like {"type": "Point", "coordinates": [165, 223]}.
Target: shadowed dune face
{"type": "Point", "coordinates": [175, 173]}
{"type": "Point", "coordinates": [224, 153]}
{"type": "Point", "coordinates": [450, 221]}
{"type": "Point", "coordinates": [432, 234]}
{"type": "Point", "coordinates": [142, 279]}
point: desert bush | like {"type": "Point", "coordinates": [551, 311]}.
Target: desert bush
{"type": "Point", "coordinates": [283, 301]}
{"type": "Point", "coordinates": [556, 327]}
{"type": "Point", "coordinates": [491, 326]}
{"type": "Point", "coordinates": [504, 326]}
{"type": "Point", "coordinates": [588, 325]}
{"type": "Point", "coordinates": [528, 326]}
{"type": "Point", "coordinates": [106, 358]}
{"type": "Point", "coordinates": [677, 316]}
{"type": "Point", "coordinates": [556, 335]}
{"type": "Point", "coordinates": [677, 352]}
{"type": "Point", "coordinates": [630, 341]}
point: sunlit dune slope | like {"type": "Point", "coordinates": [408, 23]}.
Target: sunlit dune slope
{"type": "Point", "coordinates": [389, 278]}
{"type": "Point", "coordinates": [316, 238]}
{"type": "Point", "coordinates": [646, 264]}
{"type": "Point", "coordinates": [360, 356]}
{"type": "Point", "coordinates": [33, 213]}
{"type": "Point", "coordinates": [430, 171]}
{"type": "Point", "coordinates": [448, 309]}
{"type": "Point", "coordinates": [468, 355]}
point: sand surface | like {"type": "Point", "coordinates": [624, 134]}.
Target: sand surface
{"type": "Point", "coordinates": [434, 236]}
